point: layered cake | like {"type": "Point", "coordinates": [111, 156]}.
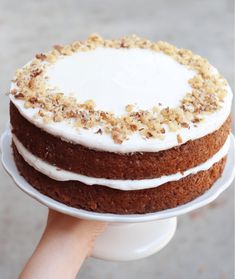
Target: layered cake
{"type": "Point", "coordinates": [123, 126]}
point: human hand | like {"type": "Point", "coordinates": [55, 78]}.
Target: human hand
{"type": "Point", "coordinates": [64, 245]}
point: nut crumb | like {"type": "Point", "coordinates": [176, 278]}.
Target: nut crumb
{"type": "Point", "coordinates": [19, 96]}
{"type": "Point", "coordinates": [179, 139]}
{"type": "Point", "coordinates": [41, 56]}
{"type": "Point", "coordinates": [99, 131]}
{"type": "Point", "coordinates": [129, 108]}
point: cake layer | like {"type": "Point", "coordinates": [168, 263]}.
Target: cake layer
{"type": "Point", "coordinates": [99, 164]}
{"type": "Point", "coordinates": [62, 175]}
{"type": "Point", "coordinates": [108, 200]}
{"type": "Point", "coordinates": [125, 95]}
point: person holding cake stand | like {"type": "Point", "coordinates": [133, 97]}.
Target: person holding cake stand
{"type": "Point", "coordinates": [65, 244]}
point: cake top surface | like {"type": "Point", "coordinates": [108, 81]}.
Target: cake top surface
{"type": "Point", "coordinates": [122, 95]}
{"type": "Point", "coordinates": [115, 78]}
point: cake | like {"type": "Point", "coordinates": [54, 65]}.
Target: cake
{"type": "Point", "coordinates": [124, 126]}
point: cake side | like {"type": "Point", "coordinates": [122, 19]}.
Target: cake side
{"type": "Point", "coordinates": [94, 163]}
{"type": "Point", "coordinates": [108, 200]}
{"type": "Point", "coordinates": [127, 184]}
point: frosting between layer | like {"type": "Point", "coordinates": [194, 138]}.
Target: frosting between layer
{"type": "Point", "coordinates": [63, 175]}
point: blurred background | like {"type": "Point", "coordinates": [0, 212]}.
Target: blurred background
{"type": "Point", "coordinates": [203, 246]}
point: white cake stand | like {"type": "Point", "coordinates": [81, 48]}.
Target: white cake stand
{"type": "Point", "coordinates": [128, 237]}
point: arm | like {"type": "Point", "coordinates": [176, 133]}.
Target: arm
{"type": "Point", "coordinates": [64, 245]}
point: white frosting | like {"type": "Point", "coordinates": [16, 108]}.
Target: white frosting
{"type": "Point", "coordinates": [63, 175]}
{"type": "Point", "coordinates": [114, 78]}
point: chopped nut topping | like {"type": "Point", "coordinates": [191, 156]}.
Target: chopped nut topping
{"type": "Point", "coordinates": [179, 139]}
{"type": "Point", "coordinates": [99, 131]}
{"type": "Point", "coordinates": [129, 108]}
{"type": "Point", "coordinates": [41, 56]}
{"type": "Point", "coordinates": [116, 135]}
{"type": "Point", "coordinates": [58, 48]}
{"type": "Point", "coordinates": [208, 93]}
{"type": "Point", "coordinates": [19, 95]}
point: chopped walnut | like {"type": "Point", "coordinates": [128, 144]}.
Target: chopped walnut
{"type": "Point", "coordinates": [129, 108]}
{"type": "Point", "coordinates": [41, 56]}
{"type": "Point", "coordinates": [206, 97]}
{"type": "Point", "coordinates": [179, 139]}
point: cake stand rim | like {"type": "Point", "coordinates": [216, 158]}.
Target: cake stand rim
{"type": "Point", "coordinates": [206, 198]}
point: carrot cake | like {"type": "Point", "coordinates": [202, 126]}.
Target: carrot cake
{"type": "Point", "coordinates": [125, 126]}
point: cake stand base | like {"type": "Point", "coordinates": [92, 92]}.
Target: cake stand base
{"type": "Point", "coordinates": [133, 241]}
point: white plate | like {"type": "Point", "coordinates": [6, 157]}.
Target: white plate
{"type": "Point", "coordinates": [221, 184]}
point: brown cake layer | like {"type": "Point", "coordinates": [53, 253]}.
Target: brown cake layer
{"type": "Point", "coordinates": [94, 163]}
{"type": "Point", "coordinates": [103, 199]}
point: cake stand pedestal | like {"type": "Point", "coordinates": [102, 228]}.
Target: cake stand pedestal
{"type": "Point", "coordinates": [132, 241]}
{"type": "Point", "coordinates": [128, 237]}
